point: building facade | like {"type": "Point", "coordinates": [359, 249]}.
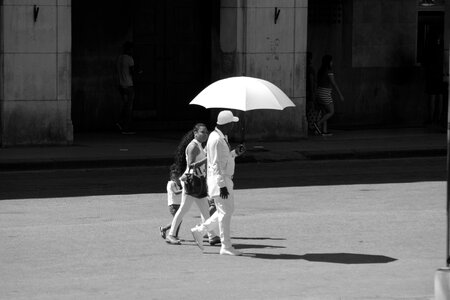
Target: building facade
{"type": "Point", "coordinates": [378, 49]}
{"type": "Point", "coordinates": [35, 72]}
{"type": "Point", "coordinates": [57, 61]}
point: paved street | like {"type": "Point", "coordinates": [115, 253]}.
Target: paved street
{"type": "Point", "coordinates": [371, 229]}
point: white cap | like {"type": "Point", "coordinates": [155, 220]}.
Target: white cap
{"type": "Point", "coordinates": [225, 117]}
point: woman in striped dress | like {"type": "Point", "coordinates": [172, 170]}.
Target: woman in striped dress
{"type": "Point", "coordinates": [325, 84]}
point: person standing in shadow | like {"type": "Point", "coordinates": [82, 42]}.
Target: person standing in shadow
{"type": "Point", "coordinates": [125, 71]}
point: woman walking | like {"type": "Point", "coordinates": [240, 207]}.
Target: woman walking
{"type": "Point", "coordinates": [325, 84]}
{"type": "Point", "coordinates": [190, 151]}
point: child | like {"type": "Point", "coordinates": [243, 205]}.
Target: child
{"type": "Point", "coordinates": [173, 198]}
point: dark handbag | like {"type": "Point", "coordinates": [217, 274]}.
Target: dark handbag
{"type": "Point", "coordinates": [195, 184]}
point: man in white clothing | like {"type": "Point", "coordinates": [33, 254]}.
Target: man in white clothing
{"type": "Point", "coordinates": [220, 171]}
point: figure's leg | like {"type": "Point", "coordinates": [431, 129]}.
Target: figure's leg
{"type": "Point", "coordinates": [211, 226]}
{"type": "Point", "coordinates": [225, 209]}
{"type": "Point", "coordinates": [329, 112]}
{"type": "Point", "coordinates": [129, 108]}
{"type": "Point", "coordinates": [174, 210]}
{"type": "Point", "coordinates": [123, 98]}
{"type": "Point", "coordinates": [204, 211]}
{"type": "Point", "coordinates": [186, 203]}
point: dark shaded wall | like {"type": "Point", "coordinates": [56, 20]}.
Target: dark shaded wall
{"type": "Point", "coordinates": [374, 48]}
{"type": "Point", "coordinates": [99, 28]}
{"type": "Point", "coordinates": [173, 46]}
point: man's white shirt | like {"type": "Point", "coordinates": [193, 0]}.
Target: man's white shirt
{"type": "Point", "coordinates": [220, 162]}
{"type": "Point", "coordinates": [124, 62]}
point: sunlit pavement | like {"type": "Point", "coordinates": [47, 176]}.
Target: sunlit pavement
{"type": "Point", "coordinates": [371, 241]}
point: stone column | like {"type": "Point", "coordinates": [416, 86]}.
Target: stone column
{"type": "Point", "coordinates": [446, 39]}
{"type": "Point", "coordinates": [35, 72]}
{"type": "Point", "coordinates": [267, 39]}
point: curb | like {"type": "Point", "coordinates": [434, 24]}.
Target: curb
{"type": "Point", "coordinates": [328, 155]}
{"type": "Point", "coordinates": [84, 164]}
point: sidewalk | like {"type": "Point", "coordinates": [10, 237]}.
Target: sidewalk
{"type": "Point", "coordinates": [156, 148]}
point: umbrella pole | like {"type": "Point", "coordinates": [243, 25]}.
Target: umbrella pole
{"type": "Point", "coordinates": [242, 127]}
{"type": "Point", "coordinates": [243, 130]}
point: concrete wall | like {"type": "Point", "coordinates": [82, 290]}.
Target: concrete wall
{"type": "Point", "coordinates": [35, 76]}
{"type": "Point", "coordinates": [385, 80]}
{"type": "Point", "coordinates": [252, 44]}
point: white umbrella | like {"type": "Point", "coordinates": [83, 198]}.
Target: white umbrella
{"type": "Point", "coordinates": [243, 93]}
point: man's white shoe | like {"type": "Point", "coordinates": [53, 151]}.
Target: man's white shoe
{"type": "Point", "coordinates": [230, 251]}
{"type": "Point", "coordinates": [198, 237]}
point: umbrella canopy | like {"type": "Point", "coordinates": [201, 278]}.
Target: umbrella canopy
{"type": "Point", "coordinates": [243, 93]}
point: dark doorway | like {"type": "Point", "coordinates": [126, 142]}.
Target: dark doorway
{"type": "Point", "coordinates": [430, 25]}
{"type": "Point", "coordinates": [173, 47]}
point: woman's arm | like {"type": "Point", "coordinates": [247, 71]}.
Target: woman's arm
{"type": "Point", "coordinates": [192, 151]}
{"type": "Point", "coordinates": [333, 82]}
{"type": "Point", "coordinates": [198, 163]}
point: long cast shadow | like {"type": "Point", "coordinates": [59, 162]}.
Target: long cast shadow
{"type": "Point", "coordinates": [139, 180]}
{"type": "Point", "coordinates": [253, 246]}
{"type": "Point", "coordinates": [257, 238]}
{"type": "Point", "coordinates": [337, 258]}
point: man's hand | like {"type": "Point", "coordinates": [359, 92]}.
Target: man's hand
{"type": "Point", "coordinates": [224, 193]}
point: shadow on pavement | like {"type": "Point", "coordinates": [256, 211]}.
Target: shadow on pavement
{"type": "Point", "coordinates": [141, 180]}
{"type": "Point", "coordinates": [254, 246]}
{"type": "Point", "coordinates": [337, 258]}
{"type": "Point", "coordinates": [257, 238]}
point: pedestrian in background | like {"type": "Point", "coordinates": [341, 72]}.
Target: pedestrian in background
{"type": "Point", "coordinates": [173, 199]}
{"type": "Point", "coordinates": [220, 171]}
{"type": "Point", "coordinates": [125, 71]}
{"type": "Point", "coordinates": [189, 152]}
{"type": "Point", "coordinates": [325, 83]}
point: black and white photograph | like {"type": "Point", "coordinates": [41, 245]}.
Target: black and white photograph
{"type": "Point", "coordinates": [224, 149]}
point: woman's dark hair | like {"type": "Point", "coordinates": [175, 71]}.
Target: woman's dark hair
{"type": "Point", "coordinates": [325, 67]}
{"type": "Point", "coordinates": [180, 154]}
{"type": "Point", "coordinates": [326, 62]}
{"type": "Point", "coordinates": [127, 46]}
